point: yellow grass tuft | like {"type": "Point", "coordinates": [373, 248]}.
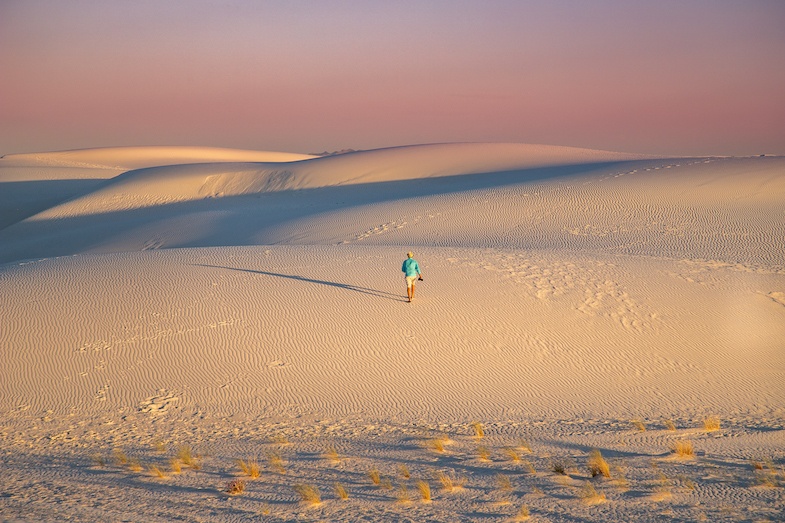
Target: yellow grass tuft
{"type": "Point", "coordinates": [449, 484]}
{"type": "Point", "coordinates": [425, 491]}
{"type": "Point", "coordinates": [524, 446]}
{"type": "Point", "coordinates": [276, 462]}
{"type": "Point", "coordinates": [174, 465]}
{"type": "Point", "coordinates": [187, 457]}
{"type": "Point", "coordinates": [503, 482]}
{"type": "Point", "coordinates": [683, 449]}
{"type": "Point", "coordinates": [156, 471]}
{"type": "Point", "coordinates": [235, 487]}
{"type": "Point", "coordinates": [590, 496]}
{"type": "Point", "coordinates": [120, 457]}
{"type": "Point", "coordinates": [638, 424]}
{"type": "Point", "coordinates": [403, 470]}
{"type": "Point", "coordinates": [711, 424]}
{"type": "Point", "coordinates": [523, 514]}
{"type": "Point", "coordinates": [512, 455]}
{"type": "Point", "coordinates": [559, 468]}
{"type": "Point", "coordinates": [478, 432]}
{"type": "Point", "coordinates": [341, 492]}
{"type": "Point", "coordinates": [661, 494]}
{"type": "Point", "coordinates": [375, 476]}
{"type": "Point", "coordinates": [483, 454]}
{"type": "Point", "coordinates": [159, 447]}
{"type": "Point", "coordinates": [99, 460]}
{"type": "Point", "coordinates": [597, 465]}
{"type": "Point", "coordinates": [437, 444]}
{"type": "Point", "coordinates": [669, 425]}
{"type": "Point", "coordinates": [249, 468]}
{"type": "Point", "coordinates": [402, 496]}
{"type": "Point", "coordinates": [332, 455]}
{"type": "Point", "coordinates": [308, 494]}
{"type": "Point", "coordinates": [529, 466]}
{"type": "Point", "coordinates": [135, 465]}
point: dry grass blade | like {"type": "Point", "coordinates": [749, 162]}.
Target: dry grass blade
{"type": "Point", "coordinates": [559, 468]}
{"type": "Point", "coordinates": [402, 496]}
{"type": "Point", "coordinates": [523, 514]}
{"type": "Point", "coordinates": [448, 483]}
{"type": "Point", "coordinates": [120, 457]}
{"type": "Point", "coordinates": [332, 455]}
{"type": "Point", "coordinates": [276, 462]}
{"type": "Point", "coordinates": [403, 470]}
{"type": "Point", "coordinates": [341, 492]}
{"type": "Point", "coordinates": [669, 425]}
{"type": "Point", "coordinates": [512, 454]}
{"type": "Point", "coordinates": [638, 424]}
{"type": "Point", "coordinates": [597, 465]}
{"type": "Point", "coordinates": [483, 454]}
{"type": "Point", "coordinates": [156, 471]}
{"type": "Point", "coordinates": [479, 433]}
{"type": "Point", "coordinates": [503, 482]}
{"type": "Point", "coordinates": [590, 496]}
{"type": "Point", "coordinates": [683, 449]}
{"type": "Point", "coordinates": [249, 468]}
{"type": "Point", "coordinates": [375, 476]}
{"type": "Point", "coordinates": [425, 491]}
{"type": "Point", "coordinates": [174, 464]}
{"type": "Point", "coordinates": [711, 424]}
{"type": "Point", "coordinates": [308, 494]}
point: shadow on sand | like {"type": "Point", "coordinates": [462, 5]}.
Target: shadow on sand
{"type": "Point", "coordinates": [355, 288]}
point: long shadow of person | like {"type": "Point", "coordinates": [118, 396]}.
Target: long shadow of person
{"type": "Point", "coordinates": [355, 288]}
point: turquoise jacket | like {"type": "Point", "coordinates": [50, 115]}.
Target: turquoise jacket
{"type": "Point", "coordinates": [410, 267]}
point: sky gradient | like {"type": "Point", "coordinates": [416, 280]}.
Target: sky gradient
{"type": "Point", "coordinates": [682, 77]}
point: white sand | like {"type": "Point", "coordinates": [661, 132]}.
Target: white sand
{"type": "Point", "coordinates": [253, 305]}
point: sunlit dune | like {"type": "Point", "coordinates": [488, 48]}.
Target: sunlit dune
{"type": "Point", "coordinates": [250, 308]}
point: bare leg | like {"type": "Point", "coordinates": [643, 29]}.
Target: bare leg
{"type": "Point", "coordinates": [411, 294]}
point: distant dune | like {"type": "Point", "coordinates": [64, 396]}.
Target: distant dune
{"type": "Point", "coordinates": [251, 305]}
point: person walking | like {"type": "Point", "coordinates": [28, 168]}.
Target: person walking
{"type": "Point", "coordinates": [412, 273]}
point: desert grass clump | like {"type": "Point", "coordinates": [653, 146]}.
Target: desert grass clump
{"type": "Point", "coordinates": [187, 457]}
{"type": "Point", "coordinates": [235, 487]}
{"type": "Point", "coordinates": [332, 455]}
{"type": "Point", "coordinates": [559, 467]}
{"type": "Point", "coordinates": [522, 514]}
{"type": "Point", "coordinates": [403, 470]}
{"type": "Point", "coordinates": [438, 443]}
{"type": "Point", "coordinates": [448, 483]}
{"type": "Point", "coordinates": [512, 455]}
{"type": "Point", "coordinates": [376, 478]}
{"type": "Point", "coordinates": [528, 466]}
{"type": "Point", "coordinates": [524, 446]}
{"type": "Point", "coordinates": [249, 468]}
{"type": "Point", "coordinates": [135, 465]}
{"type": "Point", "coordinates": [159, 447]}
{"type": "Point", "coordinates": [597, 465]}
{"type": "Point", "coordinates": [308, 494]}
{"type": "Point", "coordinates": [156, 471]}
{"type": "Point", "coordinates": [669, 425]}
{"type": "Point", "coordinates": [483, 454]}
{"type": "Point", "coordinates": [683, 449]}
{"type": "Point", "coordinates": [175, 466]}
{"type": "Point", "coordinates": [402, 496]}
{"type": "Point", "coordinates": [276, 462]}
{"type": "Point", "coordinates": [590, 496]}
{"type": "Point", "coordinates": [341, 492]}
{"type": "Point", "coordinates": [99, 460]}
{"type": "Point", "coordinates": [711, 424]}
{"type": "Point", "coordinates": [639, 424]}
{"type": "Point", "coordinates": [425, 491]}
{"type": "Point", "coordinates": [478, 432]}
{"type": "Point", "coordinates": [503, 482]}
{"type": "Point", "coordinates": [120, 457]}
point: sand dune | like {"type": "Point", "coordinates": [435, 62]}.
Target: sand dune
{"type": "Point", "coordinates": [251, 306]}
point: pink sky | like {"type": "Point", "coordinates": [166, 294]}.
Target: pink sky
{"type": "Point", "coordinates": [670, 77]}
